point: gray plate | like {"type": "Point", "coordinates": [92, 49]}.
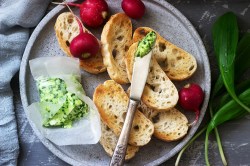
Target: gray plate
{"type": "Point", "coordinates": [162, 17]}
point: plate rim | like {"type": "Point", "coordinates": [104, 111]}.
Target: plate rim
{"type": "Point", "coordinates": [59, 153]}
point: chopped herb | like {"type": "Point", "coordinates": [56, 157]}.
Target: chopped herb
{"type": "Point", "coordinates": [54, 90]}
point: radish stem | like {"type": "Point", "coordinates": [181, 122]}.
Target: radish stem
{"type": "Point", "coordinates": [197, 114]}
{"type": "Point", "coordinates": [66, 3]}
{"type": "Point", "coordinates": [57, 3]}
{"type": "Point", "coordinates": [77, 18]}
{"type": "Point", "coordinates": [73, 4]}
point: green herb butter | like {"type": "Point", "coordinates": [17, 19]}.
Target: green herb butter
{"type": "Point", "coordinates": [54, 90]}
{"type": "Point", "coordinates": [146, 44]}
{"type": "Point", "coordinates": [51, 89]}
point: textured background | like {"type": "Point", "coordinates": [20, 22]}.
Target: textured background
{"type": "Point", "coordinates": [235, 135]}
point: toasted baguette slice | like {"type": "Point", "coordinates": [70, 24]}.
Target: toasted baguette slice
{"type": "Point", "coordinates": [116, 38]}
{"type": "Point", "coordinates": [159, 92]}
{"type": "Point", "coordinates": [169, 125]}
{"type": "Point", "coordinates": [108, 141]}
{"type": "Point", "coordinates": [67, 28]}
{"type": "Point", "coordinates": [177, 63]}
{"type": "Point", "coordinates": [112, 102]}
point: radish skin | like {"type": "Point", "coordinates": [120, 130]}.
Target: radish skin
{"type": "Point", "coordinates": [191, 97]}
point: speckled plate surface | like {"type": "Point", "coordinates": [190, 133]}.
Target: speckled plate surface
{"type": "Point", "coordinates": [162, 17]}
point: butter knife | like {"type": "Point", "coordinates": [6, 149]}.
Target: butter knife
{"type": "Point", "coordinates": [139, 77]}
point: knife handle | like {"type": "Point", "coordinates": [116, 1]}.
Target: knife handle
{"type": "Point", "coordinates": [118, 156]}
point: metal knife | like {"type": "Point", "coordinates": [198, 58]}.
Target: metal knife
{"type": "Point", "coordinates": [139, 77]}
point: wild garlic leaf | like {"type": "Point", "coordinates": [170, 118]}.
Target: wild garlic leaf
{"type": "Point", "coordinates": [225, 35]}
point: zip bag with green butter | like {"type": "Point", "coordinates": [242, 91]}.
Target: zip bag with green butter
{"type": "Point", "coordinates": [64, 114]}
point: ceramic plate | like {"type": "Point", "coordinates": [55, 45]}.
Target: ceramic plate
{"type": "Point", "coordinates": [162, 17]}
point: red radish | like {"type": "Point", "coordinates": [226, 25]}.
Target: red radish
{"type": "Point", "coordinates": [83, 45]}
{"type": "Point", "coordinates": [92, 12]}
{"type": "Point", "coordinates": [190, 98]}
{"type": "Point", "coordinates": [133, 8]}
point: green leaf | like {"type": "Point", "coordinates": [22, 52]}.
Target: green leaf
{"type": "Point", "coordinates": [219, 84]}
{"type": "Point", "coordinates": [242, 61]}
{"type": "Point", "coordinates": [229, 111]}
{"type": "Point", "coordinates": [221, 151]}
{"type": "Point", "coordinates": [222, 100]}
{"type": "Point", "coordinates": [225, 36]}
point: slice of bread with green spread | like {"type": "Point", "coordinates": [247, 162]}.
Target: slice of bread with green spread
{"type": "Point", "coordinates": [177, 63]}
{"type": "Point", "coordinates": [67, 28]}
{"type": "Point", "coordinates": [108, 141]}
{"type": "Point", "coordinates": [159, 92]}
{"type": "Point", "coordinates": [112, 103]}
{"type": "Point", "coordinates": [169, 125]}
{"type": "Point", "coordinates": [116, 38]}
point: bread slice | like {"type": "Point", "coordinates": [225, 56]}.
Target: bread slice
{"type": "Point", "coordinates": [67, 28]}
{"type": "Point", "coordinates": [169, 125]}
{"type": "Point", "coordinates": [116, 38]}
{"type": "Point", "coordinates": [177, 63]}
{"type": "Point", "coordinates": [108, 141]}
{"type": "Point", "coordinates": [112, 102]}
{"type": "Point", "coordinates": [159, 92]}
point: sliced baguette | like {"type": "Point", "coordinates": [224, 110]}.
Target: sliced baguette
{"type": "Point", "coordinates": [108, 141]}
{"type": "Point", "coordinates": [66, 28]}
{"type": "Point", "coordinates": [116, 38]}
{"type": "Point", "coordinates": [159, 92]}
{"type": "Point", "coordinates": [177, 63]}
{"type": "Point", "coordinates": [112, 102]}
{"type": "Point", "coordinates": [169, 125]}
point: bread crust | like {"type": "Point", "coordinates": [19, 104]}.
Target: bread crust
{"type": "Point", "coordinates": [66, 28]}
{"type": "Point", "coordinates": [169, 125]}
{"type": "Point", "coordinates": [112, 102]}
{"type": "Point", "coordinates": [108, 141]}
{"type": "Point", "coordinates": [116, 38]}
{"type": "Point", "coordinates": [177, 63]}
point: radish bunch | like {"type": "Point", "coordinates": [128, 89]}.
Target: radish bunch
{"type": "Point", "coordinates": [93, 13]}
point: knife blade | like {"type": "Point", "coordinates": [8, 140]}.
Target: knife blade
{"type": "Point", "coordinates": [139, 77]}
